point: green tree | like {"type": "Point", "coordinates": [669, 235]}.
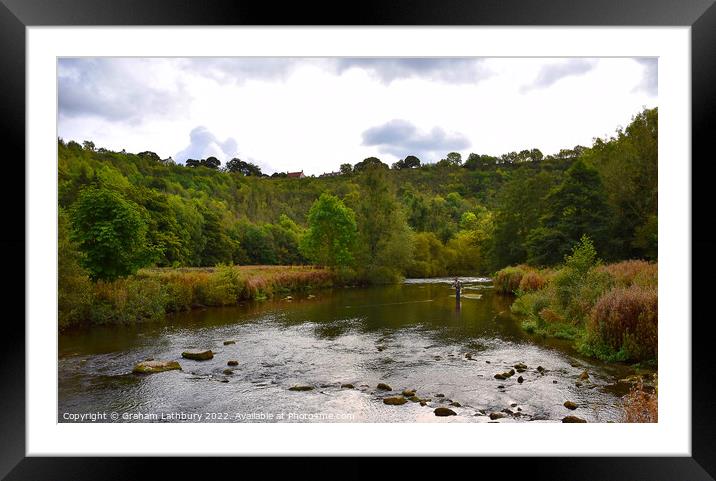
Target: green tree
{"type": "Point", "coordinates": [410, 162]}
{"type": "Point", "coordinates": [453, 159]}
{"type": "Point", "coordinates": [384, 249]}
{"type": "Point", "coordinates": [331, 233]}
{"type": "Point", "coordinates": [575, 208]}
{"type": "Point", "coordinates": [74, 289]}
{"type": "Point", "coordinates": [628, 165]}
{"type": "Point", "coordinates": [111, 232]}
{"type": "Point", "coordinates": [346, 169]}
{"type": "Point", "coordinates": [368, 163]}
{"type": "Point", "coordinates": [519, 206]}
{"type": "Point", "coordinates": [245, 168]}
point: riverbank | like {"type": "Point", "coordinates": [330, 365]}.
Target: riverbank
{"type": "Point", "coordinates": [154, 292]}
{"type": "Point", "coordinates": [610, 311]}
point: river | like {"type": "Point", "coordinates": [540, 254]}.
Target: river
{"type": "Point", "coordinates": [408, 336]}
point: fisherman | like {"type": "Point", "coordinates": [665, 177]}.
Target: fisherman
{"type": "Point", "coordinates": [457, 284]}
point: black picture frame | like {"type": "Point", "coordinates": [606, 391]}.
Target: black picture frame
{"type": "Point", "coordinates": [16, 15]}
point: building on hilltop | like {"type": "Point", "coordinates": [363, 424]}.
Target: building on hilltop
{"type": "Point", "coordinates": [297, 175]}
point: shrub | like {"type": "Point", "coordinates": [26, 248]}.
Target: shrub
{"type": "Point", "coordinates": [625, 321]}
{"type": "Point", "coordinates": [640, 405]}
{"type": "Point", "coordinates": [630, 272]}
{"type": "Point", "coordinates": [223, 288]}
{"type": "Point", "coordinates": [126, 301]}
{"type": "Point", "coordinates": [532, 281]}
{"type": "Point", "coordinates": [507, 280]}
{"type": "Point", "coordinates": [530, 304]}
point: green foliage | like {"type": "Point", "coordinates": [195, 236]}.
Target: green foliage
{"type": "Point", "coordinates": [384, 247]}
{"type": "Point", "coordinates": [610, 311]}
{"type": "Point", "coordinates": [74, 289]}
{"type": "Point", "coordinates": [244, 168]}
{"type": "Point", "coordinates": [410, 162]}
{"type": "Point", "coordinates": [430, 256]}
{"type": "Point", "coordinates": [369, 163]}
{"type": "Point", "coordinates": [331, 233]}
{"type": "Point", "coordinates": [488, 212]}
{"type": "Point", "coordinates": [111, 231]}
{"type": "Point", "coordinates": [575, 208]}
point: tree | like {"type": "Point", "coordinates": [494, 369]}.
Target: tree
{"type": "Point", "coordinates": [628, 165]}
{"type": "Point", "coordinates": [476, 161]}
{"type": "Point", "coordinates": [453, 159]}
{"type": "Point", "coordinates": [519, 207]}
{"type": "Point", "coordinates": [149, 156]}
{"type": "Point", "coordinates": [409, 162]}
{"type": "Point", "coordinates": [111, 232]}
{"type": "Point", "coordinates": [369, 163]}
{"type": "Point", "coordinates": [575, 208]}
{"type": "Point", "coordinates": [346, 169]}
{"type": "Point", "coordinates": [74, 289]}
{"type": "Point", "coordinates": [88, 145]}
{"type": "Point", "coordinates": [218, 246]}
{"type": "Point", "coordinates": [331, 232]}
{"type": "Point", "coordinates": [192, 163]}
{"type": "Point", "coordinates": [385, 240]}
{"type": "Point", "coordinates": [244, 168]}
{"type": "Point", "coordinates": [211, 162]}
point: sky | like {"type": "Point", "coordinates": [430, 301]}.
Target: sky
{"type": "Point", "coordinates": [313, 114]}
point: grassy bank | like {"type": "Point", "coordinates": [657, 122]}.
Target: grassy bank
{"type": "Point", "coordinates": [152, 293]}
{"type": "Point", "coordinates": [610, 311]}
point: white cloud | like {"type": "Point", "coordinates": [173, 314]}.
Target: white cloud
{"type": "Point", "coordinates": [204, 144]}
{"type": "Point", "coordinates": [312, 114]}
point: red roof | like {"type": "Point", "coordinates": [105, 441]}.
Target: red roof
{"type": "Point", "coordinates": [295, 174]}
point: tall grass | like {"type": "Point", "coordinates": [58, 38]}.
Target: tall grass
{"type": "Point", "coordinates": [152, 293]}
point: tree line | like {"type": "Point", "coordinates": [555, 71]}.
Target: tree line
{"type": "Point", "coordinates": [121, 211]}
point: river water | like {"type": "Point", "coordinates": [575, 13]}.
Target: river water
{"type": "Point", "coordinates": [408, 336]}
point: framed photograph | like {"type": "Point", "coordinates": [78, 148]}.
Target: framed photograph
{"type": "Point", "coordinates": [418, 230]}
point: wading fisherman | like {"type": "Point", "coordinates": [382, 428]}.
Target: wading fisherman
{"type": "Point", "coordinates": [457, 284]}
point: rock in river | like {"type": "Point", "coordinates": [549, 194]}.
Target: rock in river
{"type": "Point", "coordinates": [494, 416]}
{"type": "Point", "coordinates": [232, 363]}
{"type": "Point", "coordinates": [347, 386]}
{"type": "Point", "coordinates": [149, 367]}
{"type": "Point", "coordinates": [520, 379]}
{"type": "Point", "coordinates": [226, 343]}
{"type": "Point", "coordinates": [444, 412]}
{"type": "Point", "coordinates": [570, 405]}
{"type": "Point", "coordinates": [394, 401]}
{"type": "Point", "coordinates": [573, 419]}
{"type": "Point", "coordinates": [384, 387]}
{"type": "Point", "coordinates": [198, 355]}
{"type": "Point", "coordinates": [408, 392]}
{"type": "Point", "coordinates": [301, 388]}
{"type": "Point", "coordinates": [228, 372]}
{"type": "Point", "coordinates": [584, 376]}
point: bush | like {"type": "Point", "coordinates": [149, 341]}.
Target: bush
{"type": "Point", "coordinates": [640, 405]}
{"type": "Point", "coordinates": [532, 281]}
{"type": "Point", "coordinates": [223, 287]}
{"type": "Point", "coordinates": [507, 280]}
{"type": "Point", "coordinates": [125, 301]}
{"type": "Point", "coordinates": [630, 272]}
{"type": "Point", "coordinates": [624, 323]}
